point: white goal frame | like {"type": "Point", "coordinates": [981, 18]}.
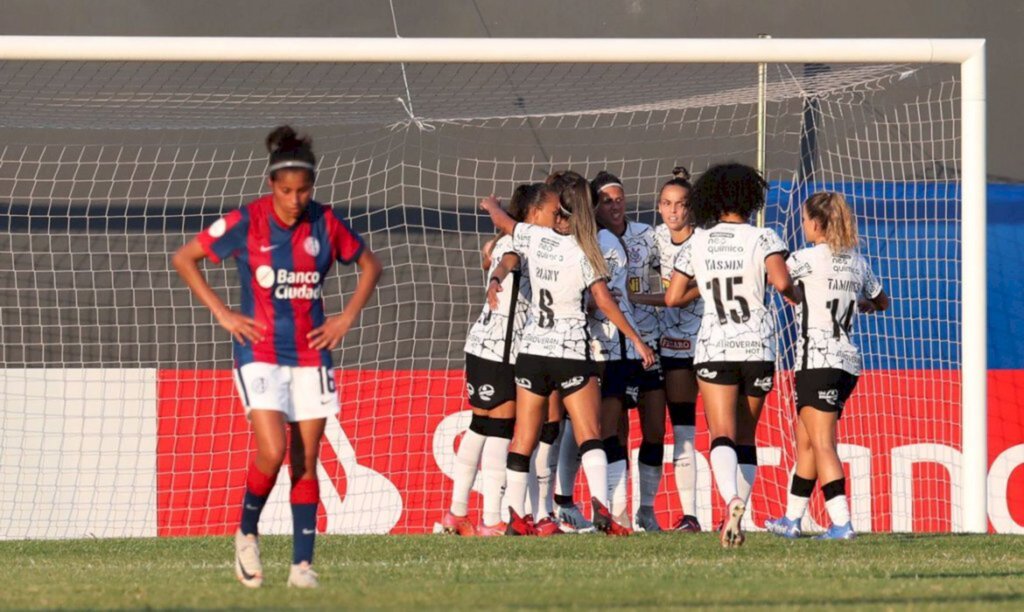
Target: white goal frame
{"type": "Point", "coordinates": [968, 53]}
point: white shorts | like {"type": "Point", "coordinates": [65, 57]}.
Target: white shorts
{"type": "Point", "coordinates": [301, 393]}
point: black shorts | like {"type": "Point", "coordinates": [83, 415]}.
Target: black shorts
{"type": "Point", "coordinates": [826, 389]}
{"type": "Point", "coordinates": [542, 375]}
{"type": "Point", "coordinates": [755, 378]}
{"type": "Point", "coordinates": [618, 379]}
{"type": "Point", "coordinates": [489, 384]}
{"type": "Point", "coordinates": [676, 363]}
{"type": "Point", "coordinates": [650, 380]}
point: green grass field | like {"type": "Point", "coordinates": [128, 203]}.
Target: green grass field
{"type": "Point", "coordinates": [418, 572]}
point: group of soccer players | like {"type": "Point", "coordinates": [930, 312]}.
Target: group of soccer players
{"type": "Point", "coordinates": [572, 336]}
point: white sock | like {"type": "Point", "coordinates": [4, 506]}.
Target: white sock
{"type": "Point", "coordinates": [492, 470]}
{"type": "Point", "coordinates": [650, 480]}
{"type": "Point", "coordinates": [540, 485]}
{"type": "Point", "coordinates": [515, 490]}
{"type": "Point", "coordinates": [838, 510]}
{"type": "Point", "coordinates": [595, 467]}
{"type": "Point", "coordinates": [723, 466]}
{"type": "Point", "coordinates": [685, 466]}
{"type": "Point", "coordinates": [746, 473]}
{"type": "Point", "coordinates": [796, 506]}
{"type": "Point", "coordinates": [617, 491]}
{"type": "Point", "coordinates": [466, 460]}
{"type": "Point", "coordinates": [549, 491]}
{"type": "Point", "coordinates": [568, 461]}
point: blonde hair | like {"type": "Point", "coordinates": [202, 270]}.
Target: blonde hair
{"type": "Point", "coordinates": [835, 218]}
{"type": "Point", "coordinates": [574, 196]}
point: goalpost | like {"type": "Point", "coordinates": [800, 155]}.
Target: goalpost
{"type": "Point", "coordinates": [116, 416]}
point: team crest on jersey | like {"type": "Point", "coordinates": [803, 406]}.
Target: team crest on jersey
{"type": "Point", "coordinates": [706, 373]}
{"type": "Point", "coordinates": [764, 384]}
{"type": "Point", "coordinates": [831, 396]}
{"type": "Point", "coordinates": [311, 246]}
{"type": "Point", "coordinates": [524, 383]}
{"type": "Point", "coordinates": [572, 382]}
{"type": "Point", "coordinates": [485, 392]}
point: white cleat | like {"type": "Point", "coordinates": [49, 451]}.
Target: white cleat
{"type": "Point", "coordinates": [571, 520]}
{"type": "Point", "coordinates": [645, 520]}
{"type": "Point", "coordinates": [732, 534]}
{"type": "Point", "coordinates": [248, 567]}
{"type": "Point", "coordinates": [302, 576]}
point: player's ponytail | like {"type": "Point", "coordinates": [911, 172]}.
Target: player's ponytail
{"type": "Point", "coordinates": [680, 178]}
{"type": "Point", "coordinates": [575, 201]}
{"type": "Point", "coordinates": [834, 217]}
{"type": "Point", "coordinates": [289, 151]}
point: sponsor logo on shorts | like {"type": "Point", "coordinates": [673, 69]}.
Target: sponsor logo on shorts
{"type": "Point", "coordinates": [524, 383]}
{"type": "Point", "coordinates": [486, 392]}
{"type": "Point", "coordinates": [633, 392]}
{"type": "Point", "coordinates": [259, 385]}
{"type": "Point", "coordinates": [575, 381]}
{"type": "Point", "coordinates": [764, 384]}
{"type": "Point", "coordinates": [706, 373]}
{"type": "Point", "coordinates": [469, 389]}
{"type": "Point", "coordinates": [676, 344]}
{"type": "Point", "coordinates": [830, 396]}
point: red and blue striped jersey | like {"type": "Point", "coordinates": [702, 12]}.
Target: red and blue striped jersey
{"type": "Point", "coordinates": [281, 271]}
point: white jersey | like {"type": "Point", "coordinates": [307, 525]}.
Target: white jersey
{"type": "Point", "coordinates": [679, 326]}
{"type": "Point", "coordinates": [832, 284]}
{"type": "Point", "coordinates": [642, 254]}
{"type": "Point", "coordinates": [560, 275]}
{"type": "Point", "coordinates": [727, 261]}
{"type": "Point", "coordinates": [607, 343]}
{"type": "Point", "coordinates": [496, 334]}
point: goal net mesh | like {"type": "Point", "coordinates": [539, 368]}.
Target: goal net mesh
{"type": "Point", "coordinates": [118, 416]}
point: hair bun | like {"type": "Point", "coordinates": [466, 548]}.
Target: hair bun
{"type": "Point", "coordinates": [681, 173]}
{"type": "Point", "coordinates": [282, 137]}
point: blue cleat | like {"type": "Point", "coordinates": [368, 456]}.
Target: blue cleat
{"type": "Point", "coordinates": [838, 532]}
{"type": "Point", "coordinates": [784, 527]}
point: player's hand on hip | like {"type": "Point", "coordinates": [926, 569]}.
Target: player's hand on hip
{"type": "Point", "coordinates": [328, 335]}
{"type": "Point", "coordinates": [646, 353]}
{"type": "Point", "coordinates": [241, 327]}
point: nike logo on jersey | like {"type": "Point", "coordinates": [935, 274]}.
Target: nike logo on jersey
{"type": "Point", "coordinates": [266, 249]}
{"type": "Point", "coordinates": [308, 531]}
{"type": "Point", "coordinates": [706, 373]}
{"type": "Point", "coordinates": [831, 396]}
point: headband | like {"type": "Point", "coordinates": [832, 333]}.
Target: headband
{"type": "Point", "coordinates": [291, 163]}
{"type": "Point", "coordinates": [565, 212]}
{"type": "Point", "coordinates": [607, 185]}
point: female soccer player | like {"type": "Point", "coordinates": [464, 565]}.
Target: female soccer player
{"type": "Point", "coordinates": [678, 327]}
{"type": "Point", "coordinates": [284, 244]}
{"type": "Point", "coordinates": [490, 360]}
{"type": "Point", "coordinates": [554, 354]}
{"type": "Point", "coordinates": [834, 281]}
{"type": "Point", "coordinates": [735, 356]}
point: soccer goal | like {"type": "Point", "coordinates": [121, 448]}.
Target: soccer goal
{"type": "Point", "coordinates": [118, 415]}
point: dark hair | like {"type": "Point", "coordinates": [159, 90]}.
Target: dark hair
{"type": "Point", "coordinates": [285, 145]}
{"type": "Point", "coordinates": [526, 197]}
{"type": "Point", "coordinates": [680, 178]}
{"type": "Point", "coordinates": [726, 188]}
{"type": "Point", "coordinates": [603, 179]}
{"type": "Point", "coordinates": [574, 198]}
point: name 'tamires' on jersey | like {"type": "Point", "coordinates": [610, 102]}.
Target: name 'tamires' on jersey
{"type": "Point", "coordinates": [560, 274]}
{"type": "Point", "coordinates": [281, 271]}
{"type": "Point", "coordinates": [727, 261]}
{"type": "Point", "coordinates": [832, 284]}
{"type": "Point", "coordinates": [607, 343]}
{"type": "Point", "coordinates": [497, 333]}
{"type": "Point", "coordinates": [643, 257]}
{"type": "Point", "coordinates": [679, 326]}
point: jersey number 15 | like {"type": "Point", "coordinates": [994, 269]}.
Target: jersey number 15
{"type": "Point", "coordinates": [715, 286]}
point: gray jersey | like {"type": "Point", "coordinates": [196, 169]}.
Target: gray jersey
{"type": "Point", "coordinates": [679, 326]}
{"type": "Point", "coordinates": [642, 255]}
{"type": "Point", "coordinates": [496, 334]}
{"type": "Point", "coordinates": [832, 284]}
{"type": "Point", "coordinates": [607, 342]}
{"type": "Point", "coordinates": [560, 275]}
{"type": "Point", "coordinates": [727, 261]}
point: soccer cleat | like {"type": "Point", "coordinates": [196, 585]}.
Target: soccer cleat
{"type": "Point", "coordinates": [248, 567]}
{"type": "Point", "coordinates": [603, 521]}
{"type": "Point", "coordinates": [784, 527]}
{"type": "Point", "coordinates": [460, 525]}
{"type": "Point", "coordinates": [732, 534]}
{"type": "Point", "coordinates": [302, 576]}
{"type": "Point", "coordinates": [571, 520]}
{"type": "Point", "coordinates": [646, 521]}
{"type": "Point", "coordinates": [687, 524]}
{"type": "Point", "coordinates": [838, 532]}
{"type": "Point", "coordinates": [486, 531]}
{"type": "Point", "coordinates": [520, 525]}
{"type": "Point", "coordinates": [547, 526]}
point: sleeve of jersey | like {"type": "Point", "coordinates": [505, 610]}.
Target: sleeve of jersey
{"type": "Point", "coordinates": [769, 244]}
{"type": "Point", "coordinates": [590, 275]}
{"type": "Point", "coordinates": [799, 266]}
{"type": "Point", "coordinates": [346, 244]}
{"type": "Point", "coordinates": [521, 235]}
{"type": "Point", "coordinates": [225, 237]}
{"type": "Point", "coordinates": [655, 251]}
{"type": "Point", "coordinates": [684, 259]}
{"type": "Point", "coordinates": [872, 286]}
